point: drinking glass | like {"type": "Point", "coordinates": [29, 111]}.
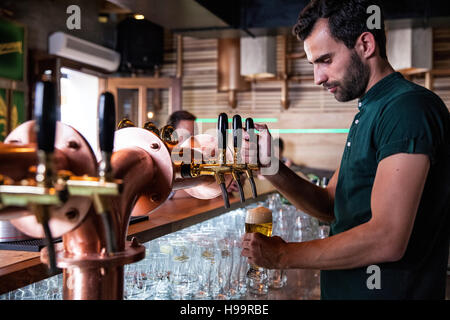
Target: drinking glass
{"type": "Point", "coordinates": [158, 285]}
{"type": "Point", "coordinates": [277, 278]}
{"type": "Point", "coordinates": [258, 219]}
{"type": "Point", "coordinates": [183, 276]}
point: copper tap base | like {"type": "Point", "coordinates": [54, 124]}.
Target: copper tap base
{"type": "Point", "coordinates": [73, 153]}
{"type": "Point", "coordinates": [95, 276]}
{"type": "Point", "coordinates": [162, 183]}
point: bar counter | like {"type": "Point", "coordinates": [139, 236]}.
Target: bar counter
{"type": "Point", "coordinates": [21, 268]}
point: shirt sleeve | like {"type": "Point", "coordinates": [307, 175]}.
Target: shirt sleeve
{"type": "Point", "coordinates": [409, 124]}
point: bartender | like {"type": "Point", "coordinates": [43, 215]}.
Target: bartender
{"type": "Point", "coordinates": [389, 200]}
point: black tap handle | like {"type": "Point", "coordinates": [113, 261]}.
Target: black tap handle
{"type": "Point", "coordinates": [52, 268]}
{"type": "Point", "coordinates": [250, 126]}
{"type": "Point", "coordinates": [106, 122]}
{"type": "Point", "coordinates": [45, 115]}
{"type": "Point", "coordinates": [237, 143]}
{"type": "Point", "coordinates": [226, 200]}
{"type": "Point", "coordinates": [222, 128]}
{"type": "Point", "coordinates": [240, 188]}
{"type": "Point", "coordinates": [237, 131]}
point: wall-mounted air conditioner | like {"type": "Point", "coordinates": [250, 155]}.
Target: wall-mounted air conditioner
{"type": "Point", "coordinates": [70, 47]}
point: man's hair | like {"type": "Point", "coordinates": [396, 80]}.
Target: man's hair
{"type": "Point", "coordinates": [177, 116]}
{"type": "Point", "coordinates": [347, 20]}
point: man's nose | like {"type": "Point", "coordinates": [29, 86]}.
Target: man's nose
{"type": "Point", "coordinates": [319, 76]}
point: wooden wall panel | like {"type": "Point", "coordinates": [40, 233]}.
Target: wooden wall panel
{"type": "Point", "coordinates": [441, 48]}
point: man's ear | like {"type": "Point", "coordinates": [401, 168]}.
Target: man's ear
{"type": "Point", "coordinates": [366, 45]}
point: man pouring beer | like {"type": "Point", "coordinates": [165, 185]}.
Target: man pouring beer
{"type": "Point", "coordinates": [389, 200]}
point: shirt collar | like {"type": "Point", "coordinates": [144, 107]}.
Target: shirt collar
{"type": "Point", "coordinates": [377, 89]}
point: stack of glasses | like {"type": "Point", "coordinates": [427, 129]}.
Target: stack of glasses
{"type": "Point", "coordinates": [199, 262]}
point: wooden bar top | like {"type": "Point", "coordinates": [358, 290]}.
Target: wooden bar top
{"type": "Point", "coordinates": [20, 268]}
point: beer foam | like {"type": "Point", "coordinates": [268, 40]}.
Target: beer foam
{"type": "Point", "coordinates": [258, 215]}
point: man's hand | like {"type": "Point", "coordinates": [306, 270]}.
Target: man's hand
{"type": "Point", "coordinates": [263, 251]}
{"type": "Point", "coordinates": [258, 151]}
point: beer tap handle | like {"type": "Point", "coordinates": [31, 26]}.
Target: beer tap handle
{"type": "Point", "coordinates": [106, 124]}
{"type": "Point", "coordinates": [250, 128]}
{"type": "Point", "coordinates": [237, 143]}
{"type": "Point", "coordinates": [45, 116]}
{"type": "Point", "coordinates": [222, 128]}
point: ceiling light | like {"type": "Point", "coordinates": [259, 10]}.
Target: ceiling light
{"type": "Point", "coordinates": [139, 16]}
{"type": "Point", "coordinates": [103, 19]}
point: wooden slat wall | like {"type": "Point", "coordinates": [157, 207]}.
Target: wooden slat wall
{"type": "Point", "coordinates": [441, 48]}
{"type": "Point", "coordinates": [310, 105]}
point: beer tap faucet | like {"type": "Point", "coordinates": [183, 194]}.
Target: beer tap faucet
{"type": "Point", "coordinates": [238, 166]}
{"type": "Point", "coordinates": [105, 184]}
{"type": "Point", "coordinates": [222, 128]}
{"type": "Point", "coordinates": [42, 193]}
{"type": "Point", "coordinates": [106, 122]}
{"type": "Point", "coordinates": [218, 168]}
{"type": "Point", "coordinates": [45, 113]}
{"type": "Point", "coordinates": [252, 166]}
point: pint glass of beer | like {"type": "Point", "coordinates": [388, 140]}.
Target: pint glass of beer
{"type": "Point", "coordinates": [258, 219]}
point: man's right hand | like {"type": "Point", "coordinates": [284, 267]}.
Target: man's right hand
{"type": "Point", "coordinates": [259, 151]}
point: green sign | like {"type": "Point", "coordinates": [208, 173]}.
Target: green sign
{"type": "Point", "coordinates": [11, 50]}
{"type": "Point", "coordinates": [3, 115]}
{"type": "Point", "coordinates": [17, 109]}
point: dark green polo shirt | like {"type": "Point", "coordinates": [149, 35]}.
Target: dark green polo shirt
{"type": "Point", "coordinates": [395, 116]}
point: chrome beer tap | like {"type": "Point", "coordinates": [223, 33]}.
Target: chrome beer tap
{"type": "Point", "coordinates": [217, 168]}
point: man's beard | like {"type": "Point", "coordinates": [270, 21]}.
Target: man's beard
{"type": "Point", "coordinates": [354, 83]}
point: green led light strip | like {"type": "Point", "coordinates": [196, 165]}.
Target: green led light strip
{"type": "Point", "coordinates": [304, 131]}
{"type": "Point", "coordinates": [310, 130]}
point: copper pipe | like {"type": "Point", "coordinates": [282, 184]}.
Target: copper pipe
{"type": "Point", "coordinates": [93, 283]}
{"type": "Point", "coordinates": [16, 160]}
{"type": "Point", "coordinates": [94, 278]}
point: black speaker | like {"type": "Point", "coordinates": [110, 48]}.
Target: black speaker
{"type": "Point", "coordinates": [141, 45]}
